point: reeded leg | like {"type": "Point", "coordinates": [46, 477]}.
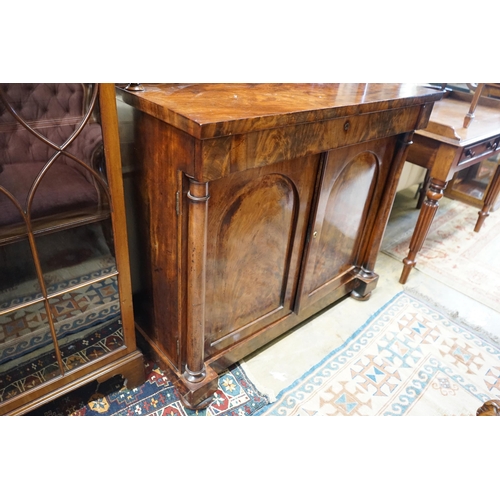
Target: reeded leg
{"type": "Point", "coordinates": [489, 199]}
{"type": "Point", "coordinates": [423, 190]}
{"type": "Point", "coordinates": [425, 218]}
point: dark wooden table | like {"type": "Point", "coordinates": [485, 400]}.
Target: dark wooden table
{"type": "Point", "coordinates": [445, 147]}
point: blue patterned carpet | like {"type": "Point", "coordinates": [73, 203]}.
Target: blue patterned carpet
{"type": "Point", "coordinates": [236, 396]}
{"type": "Point", "coordinates": [408, 359]}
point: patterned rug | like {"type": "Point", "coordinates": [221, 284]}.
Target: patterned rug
{"type": "Point", "coordinates": [86, 316]}
{"type": "Point", "coordinates": [407, 360]}
{"type": "Point", "coordinates": [68, 259]}
{"type": "Point", "coordinates": [157, 397]}
{"type": "Point", "coordinates": [26, 330]}
{"type": "Point", "coordinates": [21, 375]}
{"type": "Point", "coordinates": [452, 253]}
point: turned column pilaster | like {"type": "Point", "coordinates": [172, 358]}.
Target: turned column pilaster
{"type": "Point", "coordinates": [198, 196]}
{"type": "Point", "coordinates": [384, 211]}
{"type": "Point", "coordinates": [368, 278]}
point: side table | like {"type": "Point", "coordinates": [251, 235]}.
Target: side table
{"type": "Point", "coordinates": [445, 147]}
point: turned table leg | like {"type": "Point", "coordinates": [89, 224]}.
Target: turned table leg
{"type": "Point", "coordinates": [489, 199]}
{"type": "Point", "coordinates": [423, 189]}
{"type": "Point", "coordinates": [425, 218]}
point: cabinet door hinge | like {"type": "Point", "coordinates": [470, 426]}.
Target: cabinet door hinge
{"type": "Point", "coordinates": [177, 203]}
{"type": "Point", "coordinates": [178, 350]}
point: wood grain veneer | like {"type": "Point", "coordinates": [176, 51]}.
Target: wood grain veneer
{"type": "Point", "coordinates": [259, 205]}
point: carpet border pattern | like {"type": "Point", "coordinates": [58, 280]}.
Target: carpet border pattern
{"type": "Point", "coordinates": [290, 399]}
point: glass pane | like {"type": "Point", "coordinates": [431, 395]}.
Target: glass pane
{"type": "Point", "coordinates": [27, 355]}
{"type": "Point", "coordinates": [18, 280]}
{"type": "Point", "coordinates": [11, 219]}
{"type": "Point", "coordinates": [74, 256]}
{"type": "Point", "coordinates": [52, 165]}
{"type": "Point", "coordinates": [88, 322]}
{"type": "Point", "coordinates": [51, 153]}
{"type": "Point", "coordinates": [66, 192]}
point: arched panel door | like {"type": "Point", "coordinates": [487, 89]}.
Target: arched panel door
{"type": "Point", "coordinates": [344, 215]}
{"type": "Point", "coordinates": [255, 237]}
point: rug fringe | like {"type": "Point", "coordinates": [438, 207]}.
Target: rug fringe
{"type": "Point", "coordinates": [268, 393]}
{"type": "Point", "coordinates": [454, 315]}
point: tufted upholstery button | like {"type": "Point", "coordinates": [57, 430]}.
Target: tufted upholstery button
{"type": "Point", "coordinates": [56, 105]}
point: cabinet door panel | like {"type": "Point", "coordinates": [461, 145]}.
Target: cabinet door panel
{"type": "Point", "coordinates": [255, 236]}
{"type": "Point", "coordinates": [347, 198]}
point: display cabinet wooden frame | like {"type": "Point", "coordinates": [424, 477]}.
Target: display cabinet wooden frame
{"type": "Point", "coordinates": [60, 178]}
{"type": "Point", "coordinates": [258, 206]}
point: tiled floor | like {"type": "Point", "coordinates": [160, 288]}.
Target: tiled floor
{"type": "Point", "coordinates": [278, 365]}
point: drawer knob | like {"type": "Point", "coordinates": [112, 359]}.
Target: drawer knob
{"type": "Point", "coordinates": [347, 126]}
{"type": "Point", "coordinates": [470, 153]}
{"type": "Point", "coordinates": [315, 234]}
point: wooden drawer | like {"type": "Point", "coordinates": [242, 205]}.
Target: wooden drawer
{"type": "Point", "coordinates": [479, 150]}
{"type": "Point", "coordinates": [222, 156]}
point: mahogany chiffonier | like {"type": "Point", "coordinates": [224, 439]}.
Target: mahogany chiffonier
{"type": "Point", "coordinates": [258, 205]}
{"type": "Point", "coordinates": [66, 316]}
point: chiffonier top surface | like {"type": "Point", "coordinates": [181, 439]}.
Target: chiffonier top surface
{"type": "Point", "coordinates": [214, 110]}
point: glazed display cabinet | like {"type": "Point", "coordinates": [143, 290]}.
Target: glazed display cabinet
{"type": "Point", "coordinates": [256, 207]}
{"type": "Point", "coordinates": [66, 315]}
